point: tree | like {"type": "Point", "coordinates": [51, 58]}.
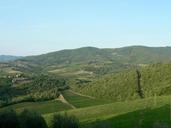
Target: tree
{"type": "Point", "coordinates": [65, 121]}
{"type": "Point", "coordinates": [9, 119]}
{"type": "Point", "coordinates": [31, 119]}
{"type": "Point", "coordinates": [140, 91]}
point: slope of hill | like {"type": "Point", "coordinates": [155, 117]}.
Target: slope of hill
{"type": "Point", "coordinates": [155, 81]}
{"type": "Point", "coordinates": [7, 58]}
{"type": "Point", "coordinates": [146, 113]}
{"type": "Point", "coordinates": [132, 54]}
{"type": "Point", "coordinates": [91, 62]}
{"type": "Point", "coordinates": [142, 54]}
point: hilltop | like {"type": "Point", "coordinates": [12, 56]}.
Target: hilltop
{"type": "Point", "coordinates": [91, 61]}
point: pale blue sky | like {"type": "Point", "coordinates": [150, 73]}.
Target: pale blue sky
{"type": "Point", "coordinates": [29, 27]}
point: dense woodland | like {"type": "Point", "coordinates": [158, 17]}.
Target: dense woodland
{"type": "Point", "coordinates": [38, 88]}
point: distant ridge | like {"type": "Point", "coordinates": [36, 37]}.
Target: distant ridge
{"type": "Point", "coordinates": [130, 54]}
{"type": "Point", "coordinates": [7, 58]}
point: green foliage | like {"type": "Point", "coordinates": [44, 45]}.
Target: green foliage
{"type": "Point", "coordinates": [39, 88]}
{"type": "Point", "coordinates": [31, 119]}
{"type": "Point", "coordinates": [9, 119]}
{"type": "Point", "coordinates": [116, 87]}
{"type": "Point", "coordinates": [64, 121]}
{"type": "Point", "coordinates": [5, 82]}
{"type": "Point", "coordinates": [155, 80]}
{"type": "Point", "coordinates": [45, 88]}
{"type": "Point", "coordinates": [5, 85]}
{"type": "Point", "coordinates": [26, 119]}
{"type": "Point", "coordinates": [92, 63]}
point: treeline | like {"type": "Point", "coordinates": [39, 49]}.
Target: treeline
{"type": "Point", "coordinates": [32, 119]}
{"type": "Point", "coordinates": [39, 88]}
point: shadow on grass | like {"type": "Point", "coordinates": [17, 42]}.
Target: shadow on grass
{"type": "Point", "coordinates": [147, 118]}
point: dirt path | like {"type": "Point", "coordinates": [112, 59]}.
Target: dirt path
{"type": "Point", "coordinates": [82, 94]}
{"type": "Point", "coordinates": [63, 100]}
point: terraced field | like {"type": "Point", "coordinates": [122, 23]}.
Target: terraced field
{"type": "Point", "coordinates": [152, 111]}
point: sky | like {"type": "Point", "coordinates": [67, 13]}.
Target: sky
{"type": "Point", "coordinates": [32, 27]}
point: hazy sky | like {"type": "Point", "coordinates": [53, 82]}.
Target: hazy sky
{"type": "Point", "coordinates": [30, 27]}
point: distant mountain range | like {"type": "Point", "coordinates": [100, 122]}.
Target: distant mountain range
{"type": "Point", "coordinates": [91, 61]}
{"type": "Point", "coordinates": [7, 58]}
{"type": "Point", "coordinates": [132, 54]}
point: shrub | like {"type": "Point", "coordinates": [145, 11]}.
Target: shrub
{"type": "Point", "coordinates": [65, 121]}
{"type": "Point", "coordinates": [31, 119]}
{"type": "Point", "coordinates": [9, 119]}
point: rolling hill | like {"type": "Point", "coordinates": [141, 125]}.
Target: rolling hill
{"type": "Point", "coordinates": [101, 87]}
{"type": "Point", "coordinates": [155, 81]}
{"type": "Point", "coordinates": [132, 54]}
{"type": "Point", "coordinates": [90, 61]}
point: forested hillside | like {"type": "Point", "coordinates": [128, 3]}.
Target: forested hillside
{"type": "Point", "coordinates": [89, 61]}
{"type": "Point", "coordinates": [113, 71]}
{"type": "Point", "coordinates": [35, 88]}
{"type": "Point", "coordinates": [155, 80]}
{"type": "Point", "coordinates": [132, 54]}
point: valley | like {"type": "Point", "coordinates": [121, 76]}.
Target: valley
{"type": "Point", "coordinates": [100, 87]}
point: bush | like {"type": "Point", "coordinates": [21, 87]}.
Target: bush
{"type": "Point", "coordinates": [65, 121]}
{"type": "Point", "coordinates": [9, 119]}
{"type": "Point", "coordinates": [30, 119]}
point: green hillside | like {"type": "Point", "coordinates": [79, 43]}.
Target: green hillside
{"type": "Point", "coordinates": [132, 54]}
{"type": "Point", "coordinates": [144, 113]}
{"type": "Point", "coordinates": [155, 81]}
{"type": "Point", "coordinates": [142, 54]}
{"type": "Point", "coordinates": [105, 88]}
{"type": "Point", "coordinates": [90, 61]}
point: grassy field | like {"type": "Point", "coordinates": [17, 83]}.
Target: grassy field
{"type": "Point", "coordinates": [82, 101]}
{"type": "Point", "coordinates": [45, 107]}
{"type": "Point", "coordinates": [42, 107]}
{"type": "Point", "coordinates": [140, 113]}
